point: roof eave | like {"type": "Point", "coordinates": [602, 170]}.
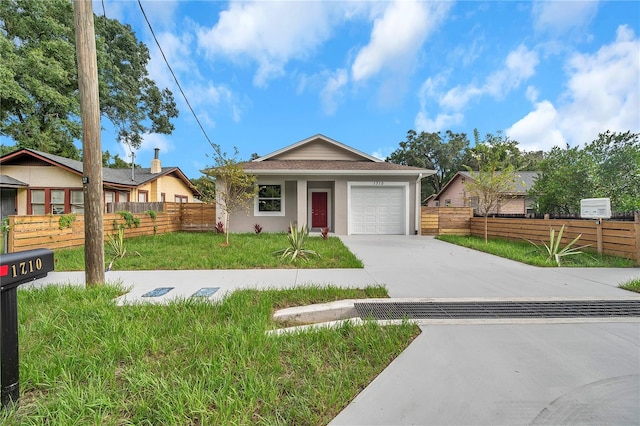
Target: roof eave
{"type": "Point", "coordinates": [316, 172]}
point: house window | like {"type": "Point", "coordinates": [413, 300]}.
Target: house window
{"type": "Point", "coordinates": [77, 202]}
{"type": "Point", "coordinates": [270, 200]}
{"type": "Point", "coordinates": [437, 203]}
{"type": "Point", "coordinates": [163, 197]}
{"type": "Point", "coordinates": [57, 201]}
{"type": "Point", "coordinates": [181, 198]}
{"type": "Point", "coordinates": [447, 203]}
{"type": "Point", "coordinates": [143, 196]}
{"type": "Point", "coordinates": [37, 201]}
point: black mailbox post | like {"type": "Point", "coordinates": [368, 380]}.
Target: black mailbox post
{"type": "Point", "coordinates": [15, 269]}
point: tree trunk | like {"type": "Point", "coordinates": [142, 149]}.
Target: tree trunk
{"type": "Point", "coordinates": [486, 226]}
{"type": "Point", "coordinates": [227, 226]}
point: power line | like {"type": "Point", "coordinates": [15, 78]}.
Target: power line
{"type": "Point", "coordinates": [174, 76]}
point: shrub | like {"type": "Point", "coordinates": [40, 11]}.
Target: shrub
{"type": "Point", "coordinates": [324, 233]}
{"type": "Point", "coordinates": [219, 228]}
{"type": "Point", "coordinates": [553, 249]}
{"type": "Point", "coordinates": [257, 228]}
{"type": "Point", "coordinates": [296, 238]}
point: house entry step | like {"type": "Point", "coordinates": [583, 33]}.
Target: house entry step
{"type": "Point", "coordinates": [498, 309]}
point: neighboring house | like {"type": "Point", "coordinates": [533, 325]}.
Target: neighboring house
{"type": "Point", "coordinates": [34, 182]}
{"type": "Point", "coordinates": [453, 194]}
{"type": "Point", "coordinates": [324, 183]}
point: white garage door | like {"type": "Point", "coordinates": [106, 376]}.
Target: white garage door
{"type": "Point", "coordinates": [377, 210]}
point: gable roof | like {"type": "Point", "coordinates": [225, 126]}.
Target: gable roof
{"type": "Point", "coordinates": [527, 177]}
{"type": "Point", "coordinates": [306, 158]}
{"type": "Point", "coordinates": [113, 177]}
{"type": "Point", "coordinates": [322, 139]}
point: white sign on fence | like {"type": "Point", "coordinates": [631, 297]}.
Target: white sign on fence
{"type": "Point", "coordinates": [595, 208]}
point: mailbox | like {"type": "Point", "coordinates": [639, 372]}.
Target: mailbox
{"type": "Point", "coordinates": [15, 269]}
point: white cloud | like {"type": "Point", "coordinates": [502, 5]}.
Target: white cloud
{"type": "Point", "coordinates": [603, 92]}
{"type": "Point", "coordinates": [383, 152]}
{"type": "Point", "coordinates": [604, 89]}
{"type": "Point", "coordinates": [397, 36]}
{"type": "Point", "coordinates": [177, 50]}
{"type": "Point", "coordinates": [538, 130]}
{"type": "Point", "coordinates": [532, 93]}
{"type": "Point", "coordinates": [268, 33]}
{"type": "Point", "coordinates": [332, 91]}
{"type": "Point", "coordinates": [442, 121]}
{"type": "Point", "coordinates": [558, 17]}
{"type": "Point", "coordinates": [519, 66]}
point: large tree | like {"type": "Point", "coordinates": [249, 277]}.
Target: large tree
{"type": "Point", "coordinates": [442, 152]}
{"type": "Point", "coordinates": [502, 150]}
{"type": "Point", "coordinates": [38, 76]}
{"type": "Point", "coordinates": [606, 167]}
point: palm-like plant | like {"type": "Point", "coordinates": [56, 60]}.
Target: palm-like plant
{"type": "Point", "coordinates": [296, 238]}
{"type": "Point", "coordinates": [553, 249]}
{"type": "Point", "coordinates": [116, 248]}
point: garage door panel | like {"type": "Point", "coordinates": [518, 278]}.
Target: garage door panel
{"type": "Point", "coordinates": [377, 210]}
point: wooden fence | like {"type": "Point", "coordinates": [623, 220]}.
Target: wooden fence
{"type": "Point", "coordinates": [617, 238]}
{"type": "Point", "coordinates": [65, 231]}
{"type": "Point", "coordinates": [446, 220]}
{"type": "Point", "coordinates": [132, 207]}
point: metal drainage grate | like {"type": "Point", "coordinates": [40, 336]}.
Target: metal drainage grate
{"type": "Point", "coordinates": [205, 292]}
{"type": "Point", "coordinates": [472, 310]}
{"type": "Point", "coordinates": [157, 292]}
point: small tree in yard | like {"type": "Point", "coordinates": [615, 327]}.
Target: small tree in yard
{"type": "Point", "coordinates": [235, 189]}
{"type": "Point", "coordinates": [491, 186]}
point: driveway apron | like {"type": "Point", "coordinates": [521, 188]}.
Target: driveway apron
{"type": "Point", "coordinates": [500, 374]}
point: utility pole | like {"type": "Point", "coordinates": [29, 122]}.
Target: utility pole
{"type": "Point", "coordinates": [91, 147]}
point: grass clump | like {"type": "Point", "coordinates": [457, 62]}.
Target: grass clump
{"type": "Point", "coordinates": [631, 285]}
{"type": "Point", "coordinates": [85, 360]}
{"type": "Point", "coordinates": [522, 251]}
{"type": "Point", "coordinates": [196, 251]}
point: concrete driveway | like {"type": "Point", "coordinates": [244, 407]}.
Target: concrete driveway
{"type": "Point", "coordinates": [506, 374]}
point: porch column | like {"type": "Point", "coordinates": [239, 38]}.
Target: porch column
{"type": "Point", "coordinates": [301, 197]}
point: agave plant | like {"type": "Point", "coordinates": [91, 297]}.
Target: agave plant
{"type": "Point", "coordinates": [296, 238]}
{"type": "Point", "coordinates": [116, 247]}
{"type": "Point", "coordinates": [553, 249]}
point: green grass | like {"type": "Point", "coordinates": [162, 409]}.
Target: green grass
{"type": "Point", "coordinates": [525, 252]}
{"type": "Point", "coordinates": [182, 250]}
{"type": "Point", "coordinates": [632, 285]}
{"type": "Point", "coordinates": [84, 360]}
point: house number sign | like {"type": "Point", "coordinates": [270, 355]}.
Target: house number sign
{"type": "Point", "coordinates": [378, 183]}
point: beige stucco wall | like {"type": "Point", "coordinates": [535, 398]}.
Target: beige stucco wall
{"type": "Point", "coordinates": [44, 176]}
{"type": "Point", "coordinates": [170, 185]}
{"type": "Point", "coordinates": [318, 150]}
{"type": "Point", "coordinates": [244, 222]}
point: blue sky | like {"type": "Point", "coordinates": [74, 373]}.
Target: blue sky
{"type": "Point", "coordinates": [263, 75]}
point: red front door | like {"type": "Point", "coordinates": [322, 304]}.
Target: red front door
{"type": "Point", "coordinates": [318, 209]}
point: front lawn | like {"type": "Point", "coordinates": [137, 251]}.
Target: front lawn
{"type": "Point", "coordinates": [188, 250]}
{"type": "Point", "coordinates": [84, 360]}
{"type": "Point", "coordinates": [525, 252]}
